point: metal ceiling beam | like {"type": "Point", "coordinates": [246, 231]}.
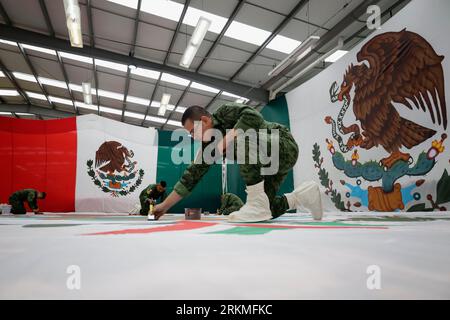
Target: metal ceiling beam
{"type": "Point", "coordinates": [222, 33]}
{"type": "Point", "coordinates": [133, 47]}
{"type": "Point", "coordinates": [174, 37]}
{"type": "Point", "coordinates": [37, 39]}
{"type": "Point", "coordinates": [166, 58]}
{"type": "Point", "coordinates": [325, 39]}
{"type": "Point", "coordinates": [151, 98]}
{"type": "Point", "coordinates": [25, 108]}
{"type": "Point", "coordinates": [209, 53]}
{"type": "Point", "coordinates": [4, 15]}
{"type": "Point", "coordinates": [277, 30]}
{"type": "Point", "coordinates": [186, 90]}
{"type": "Point", "coordinates": [213, 99]}
{"type": "Point", "coordinates": [34, 73]}
{"type": "Point", "coordinates": [92, 44]}
{"type": "Point", "coordinates": [46, 18]}
{"type": "Point", "coordinates": [58, 57]}
{"type": "Point", "coordinates": [12, 79]}
{"type": "Point", "coordinates": [181, 32]}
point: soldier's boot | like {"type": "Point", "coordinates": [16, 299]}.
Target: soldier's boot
{"type": "Point", "coordinates": [306, 195]}
{"type": "Point", "coordinates": [257, 207]}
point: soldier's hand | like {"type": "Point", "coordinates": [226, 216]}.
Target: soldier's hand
{"type": "Point", "coordinates": [159, 210]}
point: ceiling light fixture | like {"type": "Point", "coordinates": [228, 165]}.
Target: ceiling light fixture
{"type": "Point", "coordinates": [322, 58]}
{"type": "Point", "coordinates": [73, 20]}
{"type": "Point", "coordinates": [197, 37]}
{"type": "Point", "coordinates": [299, 53]}
{"type": "Point", "coordinates": [87, 93]}
{"type": "Point", "coordinates": [164, 103]}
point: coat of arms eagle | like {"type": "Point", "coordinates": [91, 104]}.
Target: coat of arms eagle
{"type": "Point", "coordinates": [403, 68]}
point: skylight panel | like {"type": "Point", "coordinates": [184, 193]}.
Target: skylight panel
{"type": "Point", "coordinates": [10, 43]}
{"type": "Point", "coordinates": [174, 123]}
{"type": "Point", "coordinates": [110, 110]}
{"type": "Point", "coordinates": [75, 57]}
{"type": "Point", "coordinates": [111, 65]}
{"type": "Point", "coordinates": [336, 56]}
{"type": "Point", "coordinates": [5, 92]}
{"type": "Point", "coordinates": [167, 9]}
{"type": "Point", "coordinates": [79, 104]}
{"type": "Point", "coordinates": [134, 115]}
{"type": "Point", "coordinates": [193, 14]}
{"type": "Point", "coordinates": [146, 73]}
{"type": "Point", "coordinates": [52, 82]}
{"type": "Point", "coordinates": [34, 95]}
{"type": "Point", "coordinates": [202, 87]}
{"type": "Point", "coordinates": [39, 49]}
{"type": "Point", "coordinates": [166, 77]}
{"type": "Point", "coordinates": [137, 100]}
{"type": "Point", "coordinates": [283, 44]}
{"type": "Point", "coordinates": [24, 76]}
{"type": "Point", "coordinates": [155, 119]}
{"type": "Point", "coordinates": [246, 33]}
{"type": "Point", "coordinates": [110, 94]}
{"type": "Point", "coordinates": [60, 100]}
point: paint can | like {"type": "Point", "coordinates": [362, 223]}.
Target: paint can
{"type": "Point", "coordinates": [6, 209]}
{"type": "Point", "coordinates": [192, 213]}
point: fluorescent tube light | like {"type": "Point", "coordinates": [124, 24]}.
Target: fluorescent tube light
{"type": "Point", "coordinates": [296, 55]}
{"type": "Point", "coordinates": [73, 21]}
{"type": "Point", "coordinates": [87, 92]}
{"type": "Point", "coordinates": [197, 37]}
{"type": "Point", "coordinates": [163, 104]}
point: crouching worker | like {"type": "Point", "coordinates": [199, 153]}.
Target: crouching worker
{"type": "Point", "coordinates": [17, 200]}
{"type": "Point", "coordinates": [152, 193]}
{"type": "Point", "coordinates": [234, 121]}
{"type": "Point", "coordinates": [229, 203]}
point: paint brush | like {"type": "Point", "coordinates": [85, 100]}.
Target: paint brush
{"type": "Point", "coordinates": [151, 216]}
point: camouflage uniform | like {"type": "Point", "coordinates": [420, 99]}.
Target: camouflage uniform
{"type": "Point", "coordinates": [230, 203]}
{"type": "Point", "coordinates": [150, 193]}
{"type": "Point", "coordinates": [239, 116]}
{"type": "Point", "coordinates": [17, 199]}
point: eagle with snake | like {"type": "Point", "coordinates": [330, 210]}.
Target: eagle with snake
{"type": "Point", "coordinates": [112, 156]}
{"type": "Point", "coordinates": [402, 67]}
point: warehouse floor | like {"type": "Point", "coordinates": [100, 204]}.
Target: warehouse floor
{"type": "Point", "coordinates": [126, 257]}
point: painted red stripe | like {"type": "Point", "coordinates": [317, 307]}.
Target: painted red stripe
{"type": "Point", "coordinates": [180, 226]}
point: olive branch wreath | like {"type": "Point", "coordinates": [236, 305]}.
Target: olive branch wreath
{"type": "Point", "coordinates": [98, 183]}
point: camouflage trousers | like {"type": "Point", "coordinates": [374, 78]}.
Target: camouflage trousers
{"type": "Point", "coordinates": [17, 206]}
{"type": "Point", "coordinates": [145, 205]}
{"type": "Point", "coordinates": [251, 173]}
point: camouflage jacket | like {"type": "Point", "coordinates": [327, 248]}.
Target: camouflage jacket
{"type": "Point", "coordinates": [152, 193]}
{"type": "Point", "coordinates": [228, 116]}
{"type": "Point", "coordinates": [28, 195]}
{"type": "Point", "coordinates": [230, 203]}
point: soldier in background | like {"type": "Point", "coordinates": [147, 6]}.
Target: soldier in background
{"type": "Point", "coordinates": [17, 200]}
{"type": "Point", "coordinates": [152, 193]}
